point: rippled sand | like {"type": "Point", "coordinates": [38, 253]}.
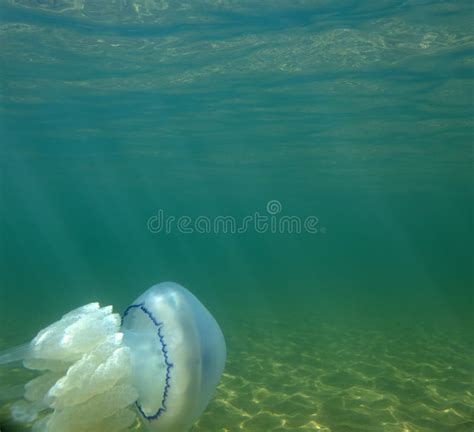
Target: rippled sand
{"type": "Point", "coordinates": [320, 377]}
{"type": "Point", "coordinates": [340, 379]}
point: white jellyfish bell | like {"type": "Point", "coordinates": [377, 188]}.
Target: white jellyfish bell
{"type": "Point", "coordinates": [155, 368]}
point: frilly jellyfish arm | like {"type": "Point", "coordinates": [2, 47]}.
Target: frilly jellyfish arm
{"type": "Point", "coordinates": [85, 384]}
{"type": "Point", "coordinates": [158, 364]}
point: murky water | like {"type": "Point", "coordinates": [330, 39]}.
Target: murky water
{"type": "Point", "coordinates": [305, 168]}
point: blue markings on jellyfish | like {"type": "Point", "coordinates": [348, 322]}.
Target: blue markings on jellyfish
{"type": "Point", "coordinates": [160, 341]}
{"type": "Point", "coordinates": [159, 364]}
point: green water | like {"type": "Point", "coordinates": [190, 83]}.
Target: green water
{"type": "Point", "coordinates": [358, 114]}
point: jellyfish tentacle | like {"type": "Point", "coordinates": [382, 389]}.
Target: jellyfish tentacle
{"type": "Point", "coordinates": [15, 354]}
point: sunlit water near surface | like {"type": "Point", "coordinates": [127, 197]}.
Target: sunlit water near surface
{"type": "Point", "coordinates": [357, 113]}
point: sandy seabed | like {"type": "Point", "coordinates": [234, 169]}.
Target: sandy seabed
{"type": "Point", "coordinates": [338, 378]}
{"type": "Point", "coordinates": [320, 377]}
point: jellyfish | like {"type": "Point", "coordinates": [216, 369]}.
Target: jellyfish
{"type": "Point", "coordinates": [154, 368]}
